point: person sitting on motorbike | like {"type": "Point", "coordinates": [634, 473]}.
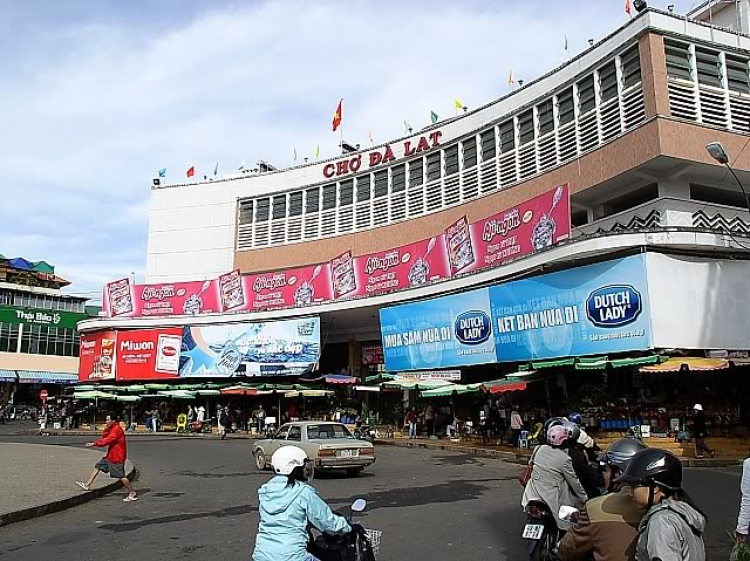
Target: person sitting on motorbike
{"type": "Point", "coordinates": [587, 475]}
{"type": "Point", "coordinates": [287, 505]}
{"type": "Point", "coordinates": [548, 424]}
{"type": "Point", "coordinates": [589, 446]}
{"type": "Point", "coordinates": [672, 527]}
{"type": "Point", "coordinates": [553, 480]}
{"type": "Point", "coordinates": [607, 527]}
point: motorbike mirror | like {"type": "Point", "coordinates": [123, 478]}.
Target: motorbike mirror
{"type": "Point", "coordinates": [568, 513]}
{"type": "Point", "coordinates": [359, 505]}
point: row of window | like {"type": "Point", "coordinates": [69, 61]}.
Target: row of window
{"type": "Point", "coordinates": [40, 301]}
{"type": "Point", "coordinates": [39, 340]}
{"type": "Point", "coordinates": [708, 66]}
{"type": "Point", "coordinates": [557, 111]}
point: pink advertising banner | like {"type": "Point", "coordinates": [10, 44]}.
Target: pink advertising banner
{"type": "Point", "coordinates": [290, 287]}
{"type": "Point", "coordinates": [170, 299]}
{"type": "Point", "coordinates": [531, 226]}
{"type": "Point", "coordinates": [463, 247]}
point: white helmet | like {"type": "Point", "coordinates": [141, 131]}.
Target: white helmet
{"type": "Point", "coordinates": [286, 458]}
{"type": "Point", "coordinates": [698, 407]}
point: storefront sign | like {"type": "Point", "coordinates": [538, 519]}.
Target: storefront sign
{"type": "Point", "coordinates": [449, 375]}
{"type": "Point", "coordinates": [454, 330]}
{"type": "Point", "coordinates": [171, 299]}
{"type": "Point", "coordinates": [596, 309]}
{"type": "Point", "coordinates": [32, 316]}
{"type": "Point", "coordinates": [255, 349]}
{"type": "Point", "coordinates": [372, 355]}
{"type": "Point", "coordinates": [148, 354]}
{"type": "Point", "coordinates": [283, 289]}
{"type": "Point", "coordinates": [97, 356]}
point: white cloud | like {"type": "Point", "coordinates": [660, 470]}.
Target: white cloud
{"type": "Point", "coordinates": [93, 109]}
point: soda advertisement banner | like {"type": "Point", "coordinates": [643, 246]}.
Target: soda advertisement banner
{"type": "Point", "coordinates": [148, 354]}
{"type": "Point", "coordinates": [254, 349]}
{"type": "Point", "coordinates": [403, 267]}
{"type": "Point", "coordinates": [97, 356]}
{"type": "Point", "coordinates": [531, 226]}
{"type": "Point", "coordinates": [596, 309]}
{"type": "Point", "coordinates": [443, 332]}
{"type": "Point", "coordinates": [170, 299]}
{"type": "Point", "coordinates": [283, 289]}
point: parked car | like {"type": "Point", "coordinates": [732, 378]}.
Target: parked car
{"type": "Point", "coordinates": [331, 446]}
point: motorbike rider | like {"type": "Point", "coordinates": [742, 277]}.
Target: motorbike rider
{"type": "Point", "coordinates": [587, 475]}
{"type": "Point", "coordinates": [672, 527]}
{"type": "Point", "coordinates": [608, 525]}
{"type": "Point", "coordinates": [553, 480]}
{"type": "Point", "coordinates": [287, 505]}
{"type": "Point", "coordinates": [589, 446]}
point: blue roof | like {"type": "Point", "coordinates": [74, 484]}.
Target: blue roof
{"type": "Point", "coordinates": [46, 377]}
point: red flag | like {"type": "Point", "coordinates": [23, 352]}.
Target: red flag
{"type": "Point", "coordinates": [338, 115]}
{"type": "Point", "coordinates": [191, 171]}
{"type": "Point", "coordinates": [627, 7]}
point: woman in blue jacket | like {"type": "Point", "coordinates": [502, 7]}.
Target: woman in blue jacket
{"type": "Point", "coordinates": [287, 505]}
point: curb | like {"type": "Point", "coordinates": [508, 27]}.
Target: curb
{"type": "Point", "coordinates": [63, 504]}
{"type": "Point", "coordinates": [132, 434]}
{"type": "Point", "coordinates": [520, 458]}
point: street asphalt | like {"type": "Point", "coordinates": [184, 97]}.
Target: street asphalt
{"type": "Point", "coordinates": [198, 500]}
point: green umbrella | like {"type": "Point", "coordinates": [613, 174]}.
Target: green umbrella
{"type": "Point", "coordinates": [177, 394]}
{"type": "Point", "coordinates": [208, 392]}
{"type": "Point", "coordinates": [93, 394]}
{"type": "Point", "coordinates": [126, 398]}
{"type": "Point", "coordinates": [447, 391]}
{"type": "Point", "coordinates": [157, 387]}
{"type": "Point", "coordinates": [133, 388]}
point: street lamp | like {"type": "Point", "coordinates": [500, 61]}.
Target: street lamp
{"type": "Point", "coordinates": [717, 152]}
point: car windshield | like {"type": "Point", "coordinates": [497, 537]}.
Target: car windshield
{"type": "Point", "coordinates": [327, 431]}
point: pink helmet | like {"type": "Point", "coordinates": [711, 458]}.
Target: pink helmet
{"type": "Point", "coordinates": [557, 435]}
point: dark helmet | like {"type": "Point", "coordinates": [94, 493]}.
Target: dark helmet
{"type": "Point", "coordinates": [622, 451]}
{"type": "Point", "coordinates": [574, 431]}
{"type": "Point", "coordinates": [653, 466]}
{"type": "Point", "coordinates": [575, 418]}
{"type": "Point", "coordinates": [552, 422]}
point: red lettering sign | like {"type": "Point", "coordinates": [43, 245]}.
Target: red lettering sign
{"type": "Point", "coordinates": [148, 354]}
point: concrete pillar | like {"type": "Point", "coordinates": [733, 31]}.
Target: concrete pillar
{"type": "Point", "coordinates": [654, 75]}
{"type": "Point", "coordinates": [355, 358]}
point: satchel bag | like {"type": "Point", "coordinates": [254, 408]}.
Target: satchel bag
{"type": "Point", "coordinates": [525, 475]}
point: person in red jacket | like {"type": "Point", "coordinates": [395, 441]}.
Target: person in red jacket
{"type": "Point", "coordinates": [113, 463]}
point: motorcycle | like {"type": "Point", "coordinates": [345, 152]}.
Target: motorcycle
{"type": "Point", "coordinates": [358, 545]}
{"type": "Point", "coordinates": [365, 432]}
{"type": "Point", "coordinates": [541, 531]}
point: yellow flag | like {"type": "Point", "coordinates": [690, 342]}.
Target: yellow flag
{"type": "Point", "coordinates": [317, 151]}
{"type": "Point", "coordinates": [457, 103]}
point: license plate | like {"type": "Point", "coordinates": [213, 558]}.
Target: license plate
{"type": "Point", "coordinates": [350, 453]}
{"type": "Point", "coordinates": [533, 531]}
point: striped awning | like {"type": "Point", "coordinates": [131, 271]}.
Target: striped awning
{"type": "Point", "coordinates": [46, 377]}
{"type": "Point", "coordinates": [675, 364]}
{"type": "Point", "coordinates": [7, 375]}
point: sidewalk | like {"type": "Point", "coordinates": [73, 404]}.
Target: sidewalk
{"type": "Point", "coordinates": [37, 479]}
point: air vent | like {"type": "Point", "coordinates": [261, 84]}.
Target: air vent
{"type": "Point", "coordinates": [469, 184]}
{"type": "Point", "coordinates": [398, 206]}
{"type": "Point", "coordinates": [328, 219]}
{"type": "Point", "coordinates": [364, 216]}
{"type": "Point", "coordinates": [739, 106]}
{"type": "Point", "coordinates": [566, 139]}
{"type": "Point", "coordinates": [416, 200]}
{"type": "Point", "coordinates": [294, 229]}
{"type": "Point", "coordinates": [610, 119]}
{"type": "Point", "coordinates": [527, 160]}
{"type": "Point", "coordinates": [713, 107]}
{"type": "Point", "coordinates": [452, 191]}
{"type": "Point", "coordinates": [547, 152]}
{"type": "Point", "coordinates": [508, 172]}
{"type": "Point", "coordinates": [633, 110]}
{"type": "Point", "coordinates": [346, 218]}
{"type": "Point", "coordinates": [489, 176]}
{"type": "Point", "coordinates": [278, 232]}
{"type": "Point", "coordinates": [434, 195]}
{"type": "Point", "coordinates": [380, 211]}
{"type": "Point", "coordinates": [682, 103]}
{"type": "Point", "coordinates": [587, 131]}
{"type": "Point", "coordinates": [261, 235]}
{"type": "Point", "coordinates": [312, 226]}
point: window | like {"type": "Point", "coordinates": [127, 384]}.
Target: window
{"type": "Point", "coordinates": [246, 216]}
{"type": "Point", "coordinates": [329, 196]}
{"type": "Point", "coordinates": [262, 211]}
{"type": "Point", "coordinates": [489, 148]}
{"type": "Point", "coordinates": [546, 116]}
{"type": "Point", "coordinates": [295, 203]}
{"type": "Point", "coordinates": [726, 197]}
{"type": "Point", "coordinates": [708, 67]}
{"type": "Point", "coordinates": [346, 193]}
{"type": "Point", "coordinates": [283, 432]}
{"type": "Point", "coordinates": [630, 61]}
{"type": "Point", "coordinates": [363, 188]}
{"type": "Point", "coordinates": [325, 431]}
{"type": "Point", "coordinates": [470, 152]}
{"type": "Point", "coordinates": [295, 433]}
{"type": "Point", "coordinates": [526, 127]}
{"type": "Point", "coordinates": [8, 338]}
{"type": "Point", "coordinates": [608, 81]}
{"type": "Point", "coordinates": [313, 200]}
{"type": "Point", "coordinates": [381, 184]}
{"type": "Point", "coordinates": [398, 178]}
{"type": "Point", "coordinates": [279, 206]}
{"type": "Point", "coordinates": [433, 166]}
{"type": "Point", "coordinates": [30, 339]}
{"type": "Point", "coordinates": [416, 172]}
{"type": "Point", "coordinates": [586, 95]}
{"type": "Point", "coordinates": [451, 160]}
{"type": "Point", "coordinates": [737, 75]}
{"type": "Point", "coordinates": [507, 137]}
{"type": "Point", "coordinates": [678, 60]}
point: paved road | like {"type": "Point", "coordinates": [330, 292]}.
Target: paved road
{"type": "Point", "coordinates": [199, 501]}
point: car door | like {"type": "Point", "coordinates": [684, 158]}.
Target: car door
{"type": "Point", "coordinates": [278, 440]}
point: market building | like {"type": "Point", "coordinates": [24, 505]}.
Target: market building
{"type": "Point", "coordinates": [39, 340]}
{"type": "Point", "coordinates": [576, 226]}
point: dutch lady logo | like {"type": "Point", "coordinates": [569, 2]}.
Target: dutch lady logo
{"type": "Point", "coordinates": [613, 306]}
{"type": "Point", "coordinates": [473, 327]}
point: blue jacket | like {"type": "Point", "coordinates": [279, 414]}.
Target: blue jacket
{"type": "Point", "coordinates": [284, 515]}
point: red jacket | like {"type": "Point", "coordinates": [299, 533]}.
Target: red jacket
{"type": "Point", "coordinates": [114, 439]}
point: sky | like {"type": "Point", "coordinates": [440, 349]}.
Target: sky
{"type": "Point", "coordinates": [97, 96]}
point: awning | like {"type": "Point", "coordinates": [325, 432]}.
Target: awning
{"type": "Point", "coordinates": [380, 377]}
{"type": "Point", "coordinates": [93, 394]}
{"type": "Point", "coordinates": [638, 361]}
{"type": "Point", "coordinates": [177, 394]}
{"type": "Point", "coordinates": [553, 363]}
{"type": "Point", "coordinates": [309, 393]}
{"type": "Point", "coordinates": [7, 375]}
{"type": "Point", "coordinates": [675, 364]}
{"type": "Point", "coordinates": [46, 377]}
{"type": "Point", "coordinates": [366, 388]}
{"type": "Point", "coordinates": [520, 375]}
{"type": "Point", "coordinates": [502, 386]}
{"type": "Point", "coordinates": [592, 363]}
{"type": "Point", "coordinates": [447, 391]}
{"type": "Point", "coordinates": [412, 383]}
{"type": "Point", "coordinates": [240, 389]}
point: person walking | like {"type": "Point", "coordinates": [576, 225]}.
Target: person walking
{"type": "Point", "coordinates": [223, 421]}
{"type": "Point", "coordinates": [113, 463]}
{"type": "Point", "coordinates": [411, 417]}
{"type": "Point", "coordinates": [743, 519]}
{"type": "Point", "coordinates": [260, 417]}
{"type": "Point", "coordinates": [190, 417]}
{"type": "Point", "coordinates": [700, 432]}
{"type": "Point", "coordinates": [429, 419]}
{"type": "Point", "coordinates": [516, 426]}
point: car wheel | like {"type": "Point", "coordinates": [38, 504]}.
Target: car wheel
{"type": "Point", "coordinates": [353, 472]}
{"type": "Point", "coordinates": [260, 459]}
